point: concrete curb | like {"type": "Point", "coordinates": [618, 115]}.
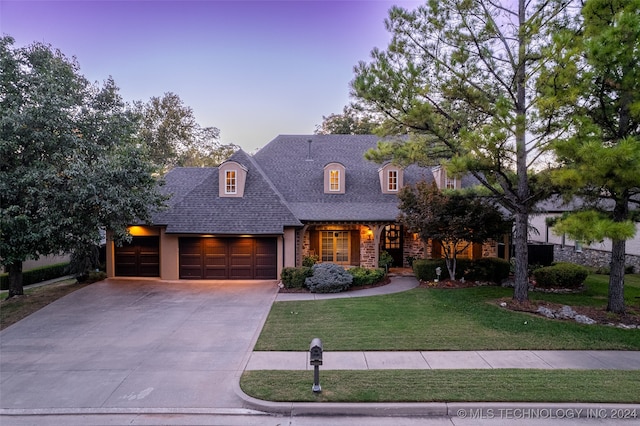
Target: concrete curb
{"type": "Point", "coordinates": [405, 409]}
{"type": "Point", "coordinates": [470, 410]}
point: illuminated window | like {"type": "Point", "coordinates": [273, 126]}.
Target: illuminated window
{"type": "Point", "coordinates": [450, 183]}
{"type": "Point", "coordinates": [231, 186]}
{"type": "Point", "coordinates": [334, 180]}
{"type": "Point", "coordinates": [392, 180]}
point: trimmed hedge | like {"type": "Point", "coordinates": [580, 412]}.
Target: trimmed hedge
{"type": "Point", "coordinates": [328, 278]}
{"type": "Point", "coordinates": [37, 275]}
{"type": "Point", "coordinates": [490, 269]}
{"type": "Point", "coordinates": [561, 275]}
{"type": "Point", "coordinates": [366, 276]}
{"type": "Point", "coordinates": [295, 277]}
{"type": "Point", "coordinates": [425, 269]}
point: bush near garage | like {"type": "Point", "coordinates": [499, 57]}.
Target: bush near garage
{"type": "Point", "coordinates": [366, 276]}
{"type": "Point", "coordinates": [37, 275]}
{"type": "Point", "coordinates": [328, 278]}
{"type": "Point", "coordinates": [295, 277]}
{"type": "Point", "coordinates": [561, 275]}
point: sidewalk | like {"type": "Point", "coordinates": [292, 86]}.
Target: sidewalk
{"type": "Point", "coordinates": [433, 360]}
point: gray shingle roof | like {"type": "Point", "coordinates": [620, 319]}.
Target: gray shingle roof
{"type": "Point", "coordinates": [285, 185]}
{"type": "Point", "coordinates": [202, 211]}
{"type": "Point", "coordinates": [297, 171]}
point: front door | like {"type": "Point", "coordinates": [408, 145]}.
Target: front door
{"type": "Point", "coordinates": [392, 243]}
{"type": "Point", "coordinates": [335, 247]}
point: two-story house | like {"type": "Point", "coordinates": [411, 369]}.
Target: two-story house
{"type": "Point", "coordinates": [298, 196]}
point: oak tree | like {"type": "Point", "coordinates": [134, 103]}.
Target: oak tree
{"type": "Point", "coordinates": [174, 138]}
{"type": "Point", "coordinates": [70, 164]}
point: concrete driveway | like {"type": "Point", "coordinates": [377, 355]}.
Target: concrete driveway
{"type": "Point", "coordinates": [121, 344]}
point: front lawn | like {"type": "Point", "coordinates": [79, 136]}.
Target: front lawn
{"type": "Point", "coordinates": [446, 386]}
{"type": "Point", "coordinates": [444, 319]}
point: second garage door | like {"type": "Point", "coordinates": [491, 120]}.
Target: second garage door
{"type": "Point", "coordinates": [228, 258]}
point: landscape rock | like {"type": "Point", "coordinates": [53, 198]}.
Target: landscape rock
{"type": "Point", "coordinates": [543, 310]}
{"type": "Point", "coordinates": [566, 312]}
{"type": "Point", "coordinates": [583, 319]}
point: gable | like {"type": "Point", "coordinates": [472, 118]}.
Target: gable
{"type": "Point", "coordinates": [296, 169]}
{"type": "Point", "coordinates": [201, 210]}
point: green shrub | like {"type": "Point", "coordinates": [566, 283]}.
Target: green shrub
{"type": "Point", "coordinates": [486, 269]}
{"type": "Point", "coordinates": [309, 261]}
{"type": "Point", "coordinates": [328, 278]}
{"type": "Point", "coordinates": [295, 277]}
{"type": "Point", "coordinates": [561, 275]}
{"type": "Point", "coordinates": [425, 269]}
{"type": "Point", "coordinates": [491, 269]}
{"type": "Point", "coordinates": [37, 275]}
{"type": "Point", "coordinates": [366, 276]}
{"type": "Point", "coordinates": [385, 260]}
{"type": "Point", "coordinates": [92, 277]}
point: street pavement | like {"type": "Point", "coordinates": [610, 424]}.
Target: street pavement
{"type": "Point", "coordinates": [152, 352]}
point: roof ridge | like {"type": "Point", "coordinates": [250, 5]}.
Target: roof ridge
{"type": "Point", "coordinates": [271, 185]}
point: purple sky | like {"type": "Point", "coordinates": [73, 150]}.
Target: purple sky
{"type": "Point", "coordinates": [254, 69]}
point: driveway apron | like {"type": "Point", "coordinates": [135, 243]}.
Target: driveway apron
{"type": "Point", "coordinates": [135, 344]}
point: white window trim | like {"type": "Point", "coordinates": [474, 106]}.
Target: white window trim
{"type": "Point", "coordinates": [339, 181]}
{"type": "Point", "coordinates": [450, 183]}
{"type": "Point", "coordinates": [396, 176]}
{"type": "Point", "coordinates": [235, 182]}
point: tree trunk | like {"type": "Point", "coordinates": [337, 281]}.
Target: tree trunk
{"type": "Point", "coordinates": [521, 285]}
{"type": "Point", "coordinates": [451, 266]}
{"type": "Point", "coordinates": [15, 279]}
{"type": "Point", "coordinates": [616, 277]}
{"type": "Point", "coordinates": [521, 278]}
{"type": "Point", "coordinates": [618, 251]}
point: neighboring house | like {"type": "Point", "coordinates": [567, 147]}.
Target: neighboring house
{"type": "Point", "coordinates": [298, 196]}
{"type": "Point", "coordinates": [596, 254]}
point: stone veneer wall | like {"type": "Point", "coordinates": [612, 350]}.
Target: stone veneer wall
{"type": "Point", "coordinates": [415, 249]}
{"type": "Point", "coordinates": [490, 249]}
{"type": "Point", "coordinates": [590, 257]}
{"type": "Point", "coordinates": [367, 249]}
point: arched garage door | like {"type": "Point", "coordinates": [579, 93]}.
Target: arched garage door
{"type": "Point", "coordinates": [139, 258]}
{"type": "Point", "coordinates": [228, 258]}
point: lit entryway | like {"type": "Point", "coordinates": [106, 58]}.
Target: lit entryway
{"type": "Point", "coordinates": [335, 247]}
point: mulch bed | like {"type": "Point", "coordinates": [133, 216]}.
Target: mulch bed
{"type": "Point", "coordinates": [598, 314]}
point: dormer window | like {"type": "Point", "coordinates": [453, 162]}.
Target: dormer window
{"type": "Point", "coordinates": [391, 178]}
{"type": "Point", "coordinates": [443, 181]}
{"type": "Point", "coordinates": [450, 183]}
{"type": "Point", "coordinates": [232, 177]}
{"type": "Point", "coordinates": [231, 182]}
{"type": "Point", "coordinates": [334, 178]}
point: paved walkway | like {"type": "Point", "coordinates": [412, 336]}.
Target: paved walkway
{"type": "Point", "coordinates": [397, 285]}
{"type": "Point", "coordinates": [433, 360]}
